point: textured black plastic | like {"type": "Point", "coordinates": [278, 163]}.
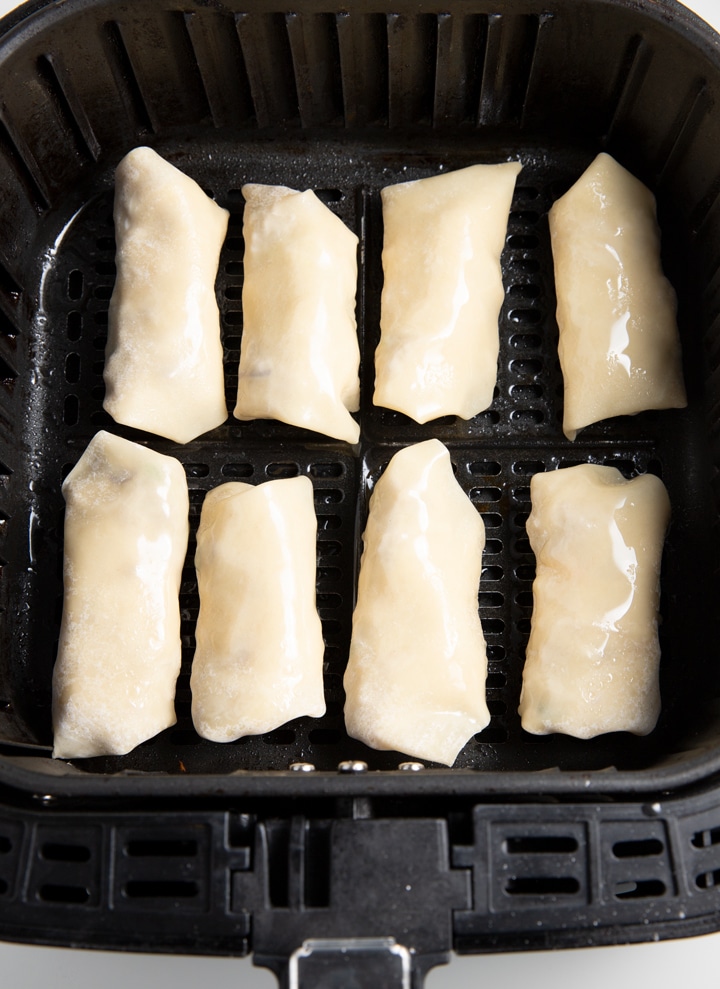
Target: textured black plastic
{"type": "Point", "coordinates": [480, 877]}
{"type": "Point", "coordinates": [345, 102]}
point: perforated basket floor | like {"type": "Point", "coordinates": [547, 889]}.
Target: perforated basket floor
{"type": "Point", "coordinates": [494, 455]}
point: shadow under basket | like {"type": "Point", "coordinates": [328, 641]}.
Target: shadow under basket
{"type": "Point", "coordinates": [316, 853]}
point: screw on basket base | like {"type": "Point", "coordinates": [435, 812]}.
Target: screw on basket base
{"type": "Point", "coordinates": [411, 767]}
{"type": "Point", "coordinates": [45, 798]}
{"type": "Point", "coordinates": [352, 766]}
{"type": "Point", "coordinates": [302, 767]}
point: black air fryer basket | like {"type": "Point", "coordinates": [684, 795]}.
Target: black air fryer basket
{"type": "Point", "coordinates": [303, 846]}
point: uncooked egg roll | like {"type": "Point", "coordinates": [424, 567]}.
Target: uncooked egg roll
{"type": "Point", "coordinates": [126, 533]}
{"type": "Point", "coordinates": [619, 345]}
{"type": "Point", "coordinates": [415, 680]}
{"type": "Point", "coordinates": [442, 291]}
{"type": "Point", "coordinates": [259, 645]}
{"type": "Point", "coordinates": [299, 352]}
{"type": "Point", "coordinates": [164, 358]}
{"type": "Point", "coordinates": [593, 655]}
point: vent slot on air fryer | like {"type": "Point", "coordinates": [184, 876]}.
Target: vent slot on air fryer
{"type": "Point", "coordinates": [159, 870]}
{"type": "Point", "coordinates": [703, 852]}
{"type": "Point", "coordinates": [636, 862]}
{"type": "Point", "coordinates": [537, 864]}
{"type": "Point", "coordinates": [67, 866]}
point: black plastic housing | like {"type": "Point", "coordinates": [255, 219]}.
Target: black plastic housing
{"type": "Point", "coordinates": [345, 100]}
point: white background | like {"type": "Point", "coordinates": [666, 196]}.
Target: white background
{"type": "Point", "coordinates": [665, 965]}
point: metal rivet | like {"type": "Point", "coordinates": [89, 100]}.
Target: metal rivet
{"type": "Point", "coordinates": [353, 766]}
{"type": "Point", "coordinates": [652, 810]}
{"type": "Point", "coordinates": [411, 767]}
{"type": "Point", "coordinates": [302, 767]}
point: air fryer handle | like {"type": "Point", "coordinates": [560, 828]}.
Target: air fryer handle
{"type": "Point", "coordinates": [351, 903]}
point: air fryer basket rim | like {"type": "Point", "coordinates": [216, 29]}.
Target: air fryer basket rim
{"type": "Point", "coordinates": [528, 843]}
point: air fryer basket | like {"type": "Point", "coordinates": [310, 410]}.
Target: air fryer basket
{"type": "Point", "coordinates": [304, 836]}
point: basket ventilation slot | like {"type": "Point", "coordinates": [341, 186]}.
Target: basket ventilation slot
{"type": "Point", "coordinates": [162, 869]}
{"type": "Point", "coordinates": [542, 886]}
{"type": "Point", "coordinates": [541, 844]}
{"type": "Point", "coordinates": [511, 44]}
{"type": "Point", "coordinates": [23, 163]}
{"type": "Point", "coordinates": [692, 113]}
{"type": "Point", "coordinates": [217, 52]}
{"type": "Point", "coordinates": [65, 868]}
{"type": "Point", "coordinates": [8, 330]}
{"type": "Point", "coordinates": [316, 63]}
{"type": "Point", "coordinates": [63, 893]}
{"type": "Point", "coordinates": [633, 72]}
{"type": "Point", "coordinates": [708, 880]}
{"type": "Point", "coordinates": [10, 295]}
{"type": "Point", "coordinates": [539, 864]}
{"type": "Point", "coordinates": [158, 71]}
{"type": "Point", "coordinates": [362, 41]}
{"type": "Point", "coordinates": [705, 864]}
{"type": "Point", "coordinates": [8, 374]}
{"type": "Point", "coordinates": [237, 470]}
{"type": "Point", "coordinates": [126, 77]}
{"type": "Point", "coordinates": [706, 838]}
{"type": "Point", "coordinates": [412, 40]}
{"type": "Point", "coordinates": [640, 889]}
{"type": "Point", "coordinates": [640, 847]}
{"type": "Point", "coordinates": [149, 848]}
{"type": "Point", "coordinates": [56, 852]}
{"type": "Point", "coordinates": [68, 106]}
{"type": "Point", "coordinates": [636, 862]}
{"type": "Point", "coordinates": [461, 46]}
{"type": "Point", "coordinates": [160, 889]}
{"type": "Point", "coordinates": [264, 42]}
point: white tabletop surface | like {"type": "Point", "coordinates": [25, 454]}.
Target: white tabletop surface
{"type": "Point", "coordinates": [664, 965]}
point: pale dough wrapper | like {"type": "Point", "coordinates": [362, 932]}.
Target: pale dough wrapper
{"type": "Point", "coordinates": [619, 345]}
{"type": "Point", "coordinates": [259, 655]}
{"type": "Point", "coordinates": [593, 655]}
{"type": "Point", "coordinates": [299, 353]}
{"type": "Point", "coordinates": [126, 534]}
{"type": "Point", "coordinates": [443, 290]}
{"type": "Point", "coordinates": [415, 680]}
{"type": "Point", "coordinates": [164, 358]}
